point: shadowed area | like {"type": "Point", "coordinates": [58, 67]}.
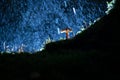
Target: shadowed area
{"type": "Point", "coordinates": [92, 54]}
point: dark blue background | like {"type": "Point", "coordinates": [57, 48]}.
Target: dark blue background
{"type": "Point", "coordinates": [31, 22]}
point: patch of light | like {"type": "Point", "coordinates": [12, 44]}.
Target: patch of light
{"type": "Point", "coordinates": [110, 6]}
{"type": "Point", "coordinates": [74, 10]}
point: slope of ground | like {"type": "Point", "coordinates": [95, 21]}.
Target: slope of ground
{"type": "Point", "coordinates": [103, 35]}
{"type": "Point", "coordinates": [90, 55]}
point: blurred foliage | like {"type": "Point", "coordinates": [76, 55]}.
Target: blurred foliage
{"type": "Point", "coordinates": [30, 22]}
{"type": "Point", "coordinates": [92, 54]}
